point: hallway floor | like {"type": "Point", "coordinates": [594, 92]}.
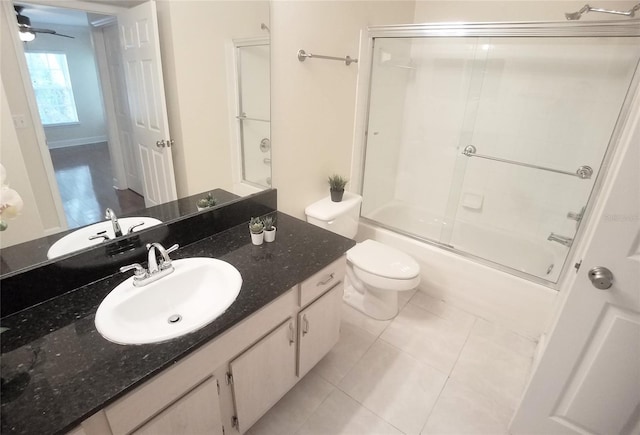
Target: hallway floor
{"type": "Point", "coordinates": [434, 369]}
{"type": "Point", "coordinates": [85, 182]}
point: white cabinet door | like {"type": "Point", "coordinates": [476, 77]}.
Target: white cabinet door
{"type": "Point", "coordinates": [143, 72]}
{"type": "Point", "coordinates": [263, 374]}
{"type": "Point", "coordinates": [198, 412]}
{"type": "Point", "coordinates": [319, 329]}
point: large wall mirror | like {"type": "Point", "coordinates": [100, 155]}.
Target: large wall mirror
{"type": "Point", "coordinates": [76, 74]}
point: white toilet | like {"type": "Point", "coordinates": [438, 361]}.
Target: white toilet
{"type": "Point", "coordinates": [375, 272]}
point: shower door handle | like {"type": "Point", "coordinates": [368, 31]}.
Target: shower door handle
{"type": "Point", "coordinates": [601, 277]}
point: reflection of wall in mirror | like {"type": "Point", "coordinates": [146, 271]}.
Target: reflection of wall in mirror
{"type": "Point", "coordinates": [27, 225]}
{"type": "Point", "coordinates": [194, 37]}
{"type": "Point", "coordinates": [17, 98]}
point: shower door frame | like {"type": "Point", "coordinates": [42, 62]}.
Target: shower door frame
{"type": "Point", "coordinates": [571, 29]}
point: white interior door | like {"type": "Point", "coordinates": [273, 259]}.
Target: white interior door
{"type": "Point", "coordinates": [121, 114]}
{"type": "Point", "coordinates": [588, 380]}
{"type": "Point", "coordinates": [143, 72]}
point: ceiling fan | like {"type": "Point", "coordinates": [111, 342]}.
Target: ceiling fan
{"type": "Point", "coordinates": [28, 33]}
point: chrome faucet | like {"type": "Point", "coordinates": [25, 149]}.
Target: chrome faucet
{"type": "Point", "coordinates": [109, 214]}
{"type": "Point", "coordinates": [563, 240]}
{"type": "Point", "coordinates": [153, 249]}
{"type": "Point", "coordinates": [155, 270]}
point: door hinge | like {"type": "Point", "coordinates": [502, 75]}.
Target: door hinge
{"type": "Point", "coordinates": [235, 423]}
{"type": "Point", "coordinates": [223, 429]}
{"type": "Point", "coordinates": [577, 265]}
{"type": "Point", "coordinates": [229, 377]}
{"type": "Point", "coordinates": [218, 385]}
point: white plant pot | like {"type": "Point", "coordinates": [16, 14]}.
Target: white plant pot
{"type": "Point", "coordinates": [257, 239]}
{"type": "Point", "coordinates": [201, 208]}
{"type": "Point", "coordinates": [270, 236]}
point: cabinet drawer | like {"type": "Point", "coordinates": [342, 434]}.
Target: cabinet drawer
{"type": "Point", "coordinates": [322, 281]}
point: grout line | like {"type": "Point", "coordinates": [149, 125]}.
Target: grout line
{"type": "Point", "coordinates": [372, 411]}
{"type": "Point", "coordinates": [297, 431]}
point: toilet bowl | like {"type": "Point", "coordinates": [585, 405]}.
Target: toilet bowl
{"type": "Point", "coordinates": [375, 272]}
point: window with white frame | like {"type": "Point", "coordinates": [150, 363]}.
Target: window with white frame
{"type": "Point", "coordinates": [52, 86]}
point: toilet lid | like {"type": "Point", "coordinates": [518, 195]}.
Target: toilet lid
{"type": "Point", "coordinates": [383, 260]}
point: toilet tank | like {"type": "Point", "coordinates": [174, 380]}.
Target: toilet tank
{"type": "Point", "coordinates": [339, 217]}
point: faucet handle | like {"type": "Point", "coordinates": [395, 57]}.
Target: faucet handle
{"type": "Point", "coordinates": [133, 227]}
{"type": "Point", "coordinates": [167, 261]}
{"type": "Point", "coordinates": [139, 273]}
{"type": "Point", "coordinates": [102, 234]}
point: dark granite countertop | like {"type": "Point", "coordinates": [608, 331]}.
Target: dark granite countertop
{"type": "Point", "coordinates": [57, 370]}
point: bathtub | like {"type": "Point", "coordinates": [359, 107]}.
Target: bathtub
{"type": "Point", "coordinates": [471, 284]}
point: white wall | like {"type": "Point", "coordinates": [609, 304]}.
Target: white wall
{"type": "Point", "coordinates": [27, 225]}
{"type": "Point", "coordinates": [517, 10]}
{"type": "Point", "coordinates": [195, 38]}
{"type": "Point", "coordinates": [313, 102]}
{"type": "Point", "coordinates": [91, 127]}
{"type": "Point", "coordinates": [27, 136]}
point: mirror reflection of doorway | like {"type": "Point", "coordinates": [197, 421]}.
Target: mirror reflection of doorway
{"type": "Point", "coordinates": [66, 75]}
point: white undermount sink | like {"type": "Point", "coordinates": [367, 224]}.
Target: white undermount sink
{"type": "Point", "coordinates": [193, 295]}
{"type": "Point", "coordinates": [79, 239]}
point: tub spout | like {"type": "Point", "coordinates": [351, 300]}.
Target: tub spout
{"type": "Point", "coordinates": [563, 240]}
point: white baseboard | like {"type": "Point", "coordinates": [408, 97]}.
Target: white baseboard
{"type": "Point", "coordinates": [75, 142]}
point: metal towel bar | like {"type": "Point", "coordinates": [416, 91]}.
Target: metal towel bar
{"type": "Point", "coordinates": [584, 172]}
{"type": "Point", "coordinates": [303, 55]}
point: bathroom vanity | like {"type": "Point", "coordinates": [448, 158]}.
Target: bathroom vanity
{"type": "Point", "coordinates": [61, 376]}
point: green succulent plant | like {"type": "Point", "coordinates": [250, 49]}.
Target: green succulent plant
{"type": "Point", "coordinates": [256, 226]}
{"type": "Point", "coordinates": [337, 182]}
{"type": "Point", "coordinates": [207, 201]}
{"type": "Point", "coordinates": [268, 223]}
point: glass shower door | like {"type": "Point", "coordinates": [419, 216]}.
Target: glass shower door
{"type": "Point", "coordinates": [491, 145]}
{"type": "Point", "coordinates": [546, 111]}
{"type": "Point", "coordinates": [252, 59]}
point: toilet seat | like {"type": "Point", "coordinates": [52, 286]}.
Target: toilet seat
{"type": "Point", "coordinates": [383, 261]}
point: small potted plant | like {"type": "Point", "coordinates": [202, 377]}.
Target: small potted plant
{"type": "Point", "coordinates": [206, 202]}
{"type": "Point", "coordinates": [336, 187]}
{"type": "Point", "coordinates": [269, 229]}
{"type": "Point", "coordinates": [256, 227]}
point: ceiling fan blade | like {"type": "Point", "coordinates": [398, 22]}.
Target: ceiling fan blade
{"type": "Point", "coordinates": [48, 31]}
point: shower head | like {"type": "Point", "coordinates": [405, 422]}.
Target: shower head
{"type": "Point", "coordinates": [572, 16]}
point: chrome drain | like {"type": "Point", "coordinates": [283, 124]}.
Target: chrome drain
{"type": "Point", "coordinates": [174, 318]}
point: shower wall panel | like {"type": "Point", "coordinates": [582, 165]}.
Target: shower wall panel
{"type": "Point", "coordinates": [551, 102]}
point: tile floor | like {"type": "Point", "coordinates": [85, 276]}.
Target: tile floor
{"type": "Point", "coordinates": [434, 369]}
